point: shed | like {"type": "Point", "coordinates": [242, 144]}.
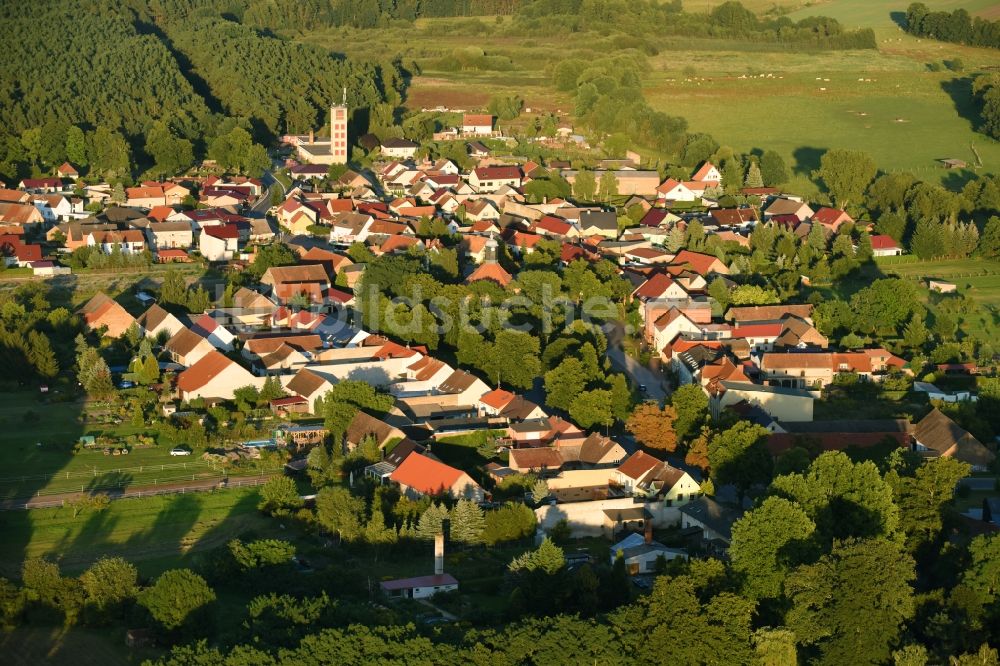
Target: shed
{"type": "Point", "coordinates": [420, 587]}
{"type": "Point", "coordinates": [952, 163]}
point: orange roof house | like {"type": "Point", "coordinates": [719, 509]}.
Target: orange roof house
{"type": "Point", "coordinates": [419, 475]}
{"type": "Point", "coordinates": [103, 311]}
{"type": "Point", "coordinates": [214, 376]}
{"type": "Point", "coordinates": [703, 264]}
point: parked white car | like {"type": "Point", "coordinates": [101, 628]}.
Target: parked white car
{"type": "Point", "coordinates": [179, 452]}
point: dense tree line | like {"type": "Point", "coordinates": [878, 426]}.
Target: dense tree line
{"type": "Point", "coordinates": [956, 26]}
{"type": "Point", "coordinates": [730, 20]}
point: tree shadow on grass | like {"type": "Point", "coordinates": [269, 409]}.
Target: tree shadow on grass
{"type": "Point", "coordinates": [807, 159]}
{"type": "Point", "coordinates": [960, 91]}
{"type": "Point", "coordinates": [899, 18]}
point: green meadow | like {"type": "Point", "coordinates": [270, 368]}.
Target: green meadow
{"type": "Point", "coordinates": [157, 533]}
{"type": "Point", "coordinates": [887, 102]}
{"type": "Point", "coordinates": [978, 279]}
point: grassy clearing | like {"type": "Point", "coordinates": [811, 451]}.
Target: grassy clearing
{"type": "Point", "coordinates": [979, 279]}
{"type": "Point", "coordinates": [74, 290]}
{"type": "Point", "coordinates": [156, 533]}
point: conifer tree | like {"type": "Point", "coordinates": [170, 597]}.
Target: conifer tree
{"type": "Point", "coordinates": [467, 522]}
{"type": "Point", "coordinates": [431, 522]}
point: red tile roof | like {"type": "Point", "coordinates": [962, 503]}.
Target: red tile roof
{"type": "Point", "coordinates": [425, 475]}
{"type": "Point", "coordinates": [758, 331]}
{"type": "Point", "coordinates": [210, 366]}
{"type": "Point", "coordinates": [654, 287]}
{"type": "Point", "coordinates": [498, 173]}
{"type": "Point", "coordinates": [701, 263]}
{"type": "Point", "coordinates": [477, 119]}
{"type": "Point", "coordinates": [553, 224]}
{"type": "Point", "coordinates": [494, 272]}
{"type": "Point", "coordinates": [638, 464]}
{"type": "Point", "coordinates": [702, 173]}
{"type": "Point", "coordinates": [497, 398]}
{"type": "Point", "coordinates": [883, 242]}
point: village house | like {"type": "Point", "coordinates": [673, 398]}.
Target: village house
{"type": "Point", "coordinates": [219, 243]}
{"type": "Point", "coordinates": [41, 185]}
{"type": "Point", "coordinates": [127, 241]}
{"type": "Point", "coordinates": [214, 376]}
{"type": "Point", "coordinates": [399, 148]}
{"type": "Point", "coordinates": [641, 554]}
{"type": "Point", "coordinates": [817, 369]}
{"type": "Point", "coordinates": [421, 476]}
{"type": "Point", "coordinates": [187, 347]}
{"type": "Point", "coordinates": [20, 215]}
{"type": "Point", "coordinates": [103, 312]}
{"type": "Point", "coordinates": [491, 179]}
{"type": "Point", "coordinates": [780, 207]}
{"type": "Point", "coordinates": [218, 335]}
{"type": "Point", "coordinates": [145, 197]}
{"type": "Point", "coordinates": [885, 246]}
{"type": "Point", "coordinates": [309, 385]}
{"type": "Point", "coordinates": [156, 321]}
{"type": "Point", "coordinates": [172, 234]}
{"type": "Point", "coordinates": [937, 435]}
{"type": "Point", "coordinates": [364, 425]}
{"type": "Point", "coordinates": [780, 403]}
{"type": "Point", "coordinates": [599, 223]}
{"type": "Point", "coordinates": [715, 521]}
{"type": "Point", "coordinates": [287, 282]}
{"type": "Point", "coordinates": [477, 124]}
{"type": "Point", "coordinates": [832, 218]}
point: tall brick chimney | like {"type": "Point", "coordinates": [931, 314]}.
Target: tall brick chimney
{"type": "Point", "coordinates": [648, 530]}
{"type": "Point", "coordinates": [439, 553]}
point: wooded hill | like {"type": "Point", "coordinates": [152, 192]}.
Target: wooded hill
{"type": "Point", "coordinates": [124, 66]}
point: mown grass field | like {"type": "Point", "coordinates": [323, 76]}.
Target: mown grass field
{"type": "Point", "coordinates": [156, 533]}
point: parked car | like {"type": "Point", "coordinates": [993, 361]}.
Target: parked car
{"type": "Point", "coordinates": [178, 451]}
{"type": "Point", "coordinates": [126, 384]}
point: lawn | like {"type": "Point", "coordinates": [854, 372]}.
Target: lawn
{"type": "Point", "coordinates": [468, 452]}
{"type": "Point", "coordinates": [157, 533]}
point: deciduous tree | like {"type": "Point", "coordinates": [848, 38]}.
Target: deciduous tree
{"type": "Point", "coordinates": [175, 597]}
{"type": "Point", "coordinates": [654, 427]}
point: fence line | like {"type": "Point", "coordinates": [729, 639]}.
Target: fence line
{"type": "Point", "coordinates": [23, 504]}
{"type": "Point", "coordinates": [93, 472]}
